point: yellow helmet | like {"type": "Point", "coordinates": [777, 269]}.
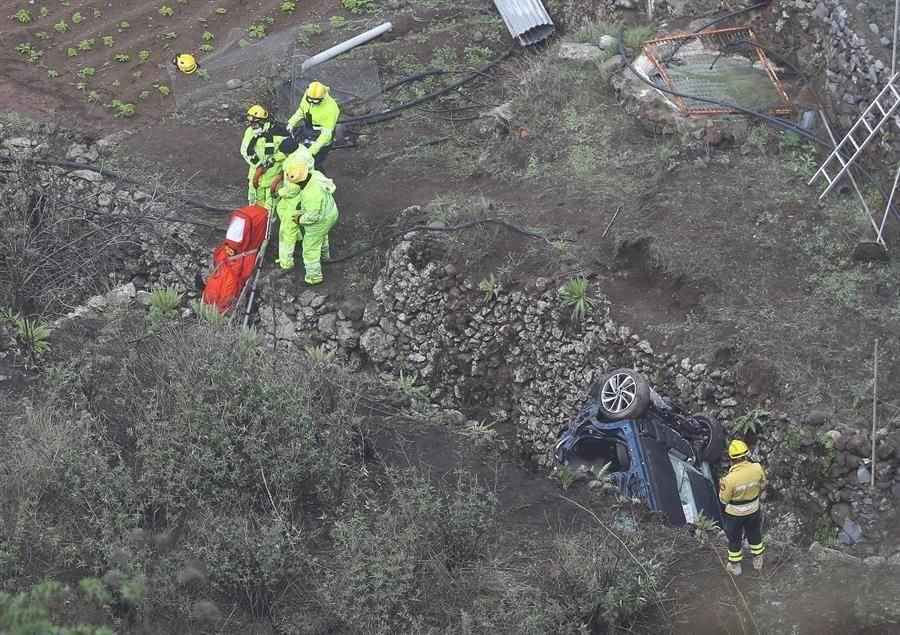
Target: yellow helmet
{"type": "Point", "coordinates": [257, 113]}
{"type": "Point", "coordinates": [316, 92]}
{"type": "Point", "coordinates": [298, 173]}
{"type": "Point", "coordinates": [737, 449]}
{"type": "Point", "coordinates": [185, 63]}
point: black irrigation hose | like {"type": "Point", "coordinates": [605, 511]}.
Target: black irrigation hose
{"type": "Point", "coordinates": [450, 228]}
{"type": "Point", "coordinates": [391, 113]}
{"type": "Point", "coordinates": [115, 175]}
{"type": "Point", "coordinates": [779, 123]}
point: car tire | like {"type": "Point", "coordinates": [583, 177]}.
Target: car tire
{"type": "Point", "coordinates": [624, 394]}
{"type": "Point", "coordinates": [715, 444]}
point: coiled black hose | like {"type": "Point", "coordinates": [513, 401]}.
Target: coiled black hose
{"type": "Point", "coordinates": [779, 123]}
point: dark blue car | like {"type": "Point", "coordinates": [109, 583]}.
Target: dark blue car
{"type": "Point", "coordinates": [650, 447]}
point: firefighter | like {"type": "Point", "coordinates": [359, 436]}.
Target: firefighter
{"type": "Point", "coordinates": [258, 147]}
{"type": "Point", "coordinates": [268, 176]}
{"type": "Point", "coordinates": [306, 205]}
{"type": "Point", "coordinates": [319, 113]}
{"type": "Point", "coordinates": [739, 491]}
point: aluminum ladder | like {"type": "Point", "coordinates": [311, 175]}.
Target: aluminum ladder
{"type": "Point", "coordinates": [862, 126]}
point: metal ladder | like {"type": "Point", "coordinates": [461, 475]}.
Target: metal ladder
{"type": "Point", "coordinates": [862, 126]}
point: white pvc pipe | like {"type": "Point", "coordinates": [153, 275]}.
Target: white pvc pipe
{"type": "Point", "coordinates": [343, 47]}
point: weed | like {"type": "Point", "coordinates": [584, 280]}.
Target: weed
{"type": "Point", "coordinates": [166, 11]}
{"type": "Point", "coordinates": [635, 36]}
{"type": "Point", "coordinates": [566, 476]}
{"type": "Point", "coordinates": [481, 433]}
{"type": "Point", "coordinates": [532, 170]}
{"type": "Point", "coordinates": [359, 6]}
{"type": "Point", "coordinates": [257, 31]}
{"type": "Point", "coordinates": [319, 354]}
{"type": "Point", "coordinates": [221, 10]}
{"type": "Point", "coordinates": [827, 454]}
{"type": "Point", "coordinates": [86, 45]}
{"type": "Point", "coordinates": [575, 294]}
{"type": "Point", "coordinates": [583, 160]}
{"type": "Point", "coordinates": [490, 287]}
{"type": "Point", "coordinates": [108, 41]}
{"type": "Point", "coordinates": [77, 18]}
{"type": "Point", "coordinates": [406, 389]}
{"type": "Point", "coordinates": [826, 531]}
{"type": "Point", "coordinates": [288, 7]}
{"type": "Point", "coordinates": [750, 422]}
{"type": "Point", "coordinates": [703, 526]}
{"type": "Point", "coordinates": [337, 21]}
{"type": "Point", "coordinates": [478, 56]}
{"type": "Point", "coordinates": [207, 36]}
{"type": "Point", "coordinates": [312, 29]}
{"type": "Point", "coordinates": [209, 313]}
{"type": "Point", "coordinates": [22, 15]}
{"type": "Point", "coordinates": [759, 138]}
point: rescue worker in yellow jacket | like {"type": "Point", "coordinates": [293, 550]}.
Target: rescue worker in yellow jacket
{"type": "Point", "coordinates": [306, 204]}
{"type": "Point", "coordinates": [739, 491]}
{"type": "Point", "coordinates": [318, 113]}
{"type": "Point", "coordinates": [258, 148]}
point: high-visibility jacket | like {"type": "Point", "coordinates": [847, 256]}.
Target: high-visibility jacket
{"type": "Point", "coordinates": [311, 201]}
{"type": "Point", "coordinates": [258, 146]}
{"type": "Point", "coordinates": [300, 155]}
{"type": "Point", "coordinates": [322, 117]}
{"type": "Point", "coordinates": [739, 490]}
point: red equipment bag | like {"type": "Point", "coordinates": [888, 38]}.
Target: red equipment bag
{"type": "Point", "coordinates": [235, 258]}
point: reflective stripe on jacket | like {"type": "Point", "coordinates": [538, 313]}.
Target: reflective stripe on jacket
{"type": "Point", "coordinates": [739, 490]}
{"type": "Point", "coordinates": [321, 117]}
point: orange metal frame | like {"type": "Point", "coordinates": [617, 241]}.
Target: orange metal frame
{"type": "Point", "coordinates": [764, 60]}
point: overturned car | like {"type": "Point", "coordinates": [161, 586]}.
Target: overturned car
{"type": "Point", "coordinates": [651, 448]}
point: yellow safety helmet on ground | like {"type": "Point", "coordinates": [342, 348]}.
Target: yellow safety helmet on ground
{"type": "Point", "coordinates": [298, 173]}
{"type": "Point", "coordinates": [737, 449]}
{"type": "Point", "coordinates": [257, 113]}
{"type": "Point", "coordinates": [316, 92]}
{"type": "Point", "coordinates": [185, 63]}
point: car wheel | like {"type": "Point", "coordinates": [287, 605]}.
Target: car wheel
{"type": "Point", "coordinates": [624, 394]}
{"type": "Point", "coordinates": [715, 441]}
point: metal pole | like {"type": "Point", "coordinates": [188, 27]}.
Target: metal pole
{"type": "Point", "coordinates": [336, 50]}
{"type": "Point", "coordinates": [894, 47]}
{"type": "Point", "coordinates": [874, 415]}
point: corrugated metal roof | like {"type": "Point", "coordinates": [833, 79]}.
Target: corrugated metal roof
{"type": "Point", "coordinates": [527, 20]}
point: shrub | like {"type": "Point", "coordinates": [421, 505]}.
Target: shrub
{"type": "Point", "coordinates": [337, 21]}
{"type": "Point", "coordinates": [751, 421]}
{"type": "Point", "coordinates": [108, 41]}
{"type": "Point", "coordinates": [257, 31]}
{"type": "Point", "coordinates": [359, 6]}
{"type": "Point", "coordinates": [86, 45]}
{"type": "Point", "coordinates": [144, 55]}
{"type": "Point", "coordinates": [29, 336]}
{"type": "Point", "coordinates": [22, 15]}
{"type": "Point", "coordinates": [77, 18]}
{"type": "Point", "coordinates": [207, 36]}
{"type": "Point", "coordinates": [288, 7]}
{"type": "Point", "coordinates": [87, 71]}
{"type": "Point", "coordinates": [164, 303]}
{"type": "Point", "coordinates": [122, 58]}
{"type": "Point", "coordinates": [490, 287]}
{"type": "Point", "coordinates": [207, 48]}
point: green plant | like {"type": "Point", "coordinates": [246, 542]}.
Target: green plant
{"type": "Point", "coordinates": [87, 71]}
{"type": "Point", "coordinates": [122, 110]}
{"type": "Point", "coordinates": [80, 85]}
{"type": "Point", "coordinates": [22, 15]}
{"type": "Point", "coordinates": [207, 36]}
{"type": "Point", "coordinates": [257, 31]}
{"type": "Point", "coordinates": [635, 36]}
{"type": "Point", "coordinates": [164, 303]}
{"type": "Point", "coordinates": [124, 25]}
{"type": "Point", "coordinates": [116, 83]}
{"type": "Point", "coordinates": [44, 12]}
{"type": "Point", "coordinates": [93, 97]}
{"type": "Point", "coordinates": [144, 94]}
{"type": "Point", "coordinates": [583, 159]}
{"type": "Point", "coordinates": [71, 52]}
{"type": "Point", "coordinates": [170, 35]}
{"type": "Point", "coordinates": [703, 526]}
{"type": "Point", "coordinates": [77, 18]}
{"type": "Point", "coordinates": [164, 90]}
{"type": "Point", "coordinates": [242, 43]}
{"type": "Point", "coordinates": [144, 55]}
{"type": "Point", "coordinates": [29, 51]}
{"type": "Point", "coordinates": [207, 48]}
{"type": "Point", "coordinates": [95, 12]}
{"type": "Point", "coordinates": [209, 313]}
{"type": "Point", "coordinates": [490, 287]}
{"type": "Point", "coordinates": [575, 294]}
{"type": "Point", "coordinates": [359, 6]}
{"type": "Point", "coordinates": [759, 138]}
{"type": "Point", "coordinates": [122, 58]}
{"type": "Point", "coordinates": [203, 73]}
{"type": "Point", "coordinates": [751, 421]}
{"type": "Point", "coordinates": [42, 35]}
{"type": "Point", "coordinates": [478, 56]}
{"type": "Point", "coordinates": [86, 45]}
{"type": "Point", "coordinates": [827, 454]}
{"type": "Point", "coordinates": [826, 531]}
{"type": "Point", "coordinates": [288, 6]}
{"type": "Point", "coordinates": [483, 434]}
{"type": "Point", "coordinates": [61, 26]}
{"type": "Point", "coordinates": [52, 73]}
{"type": "Point", "coordinates": [269, 20]}
{"type": "Point", "coordinates": [108, 41]}
{"type": "Point", "coordinates": [567, 476]}
{"type": "Point", "coordinates": [337, 21]}
{"type": "Point", "coordinates": [167, 11]}
{"type": "Point", "coordinates": [221, 10]}
{"type": "Point", "coordinates": [532, 169]}
{"type": "Point", "coordinates": [29, 336]}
